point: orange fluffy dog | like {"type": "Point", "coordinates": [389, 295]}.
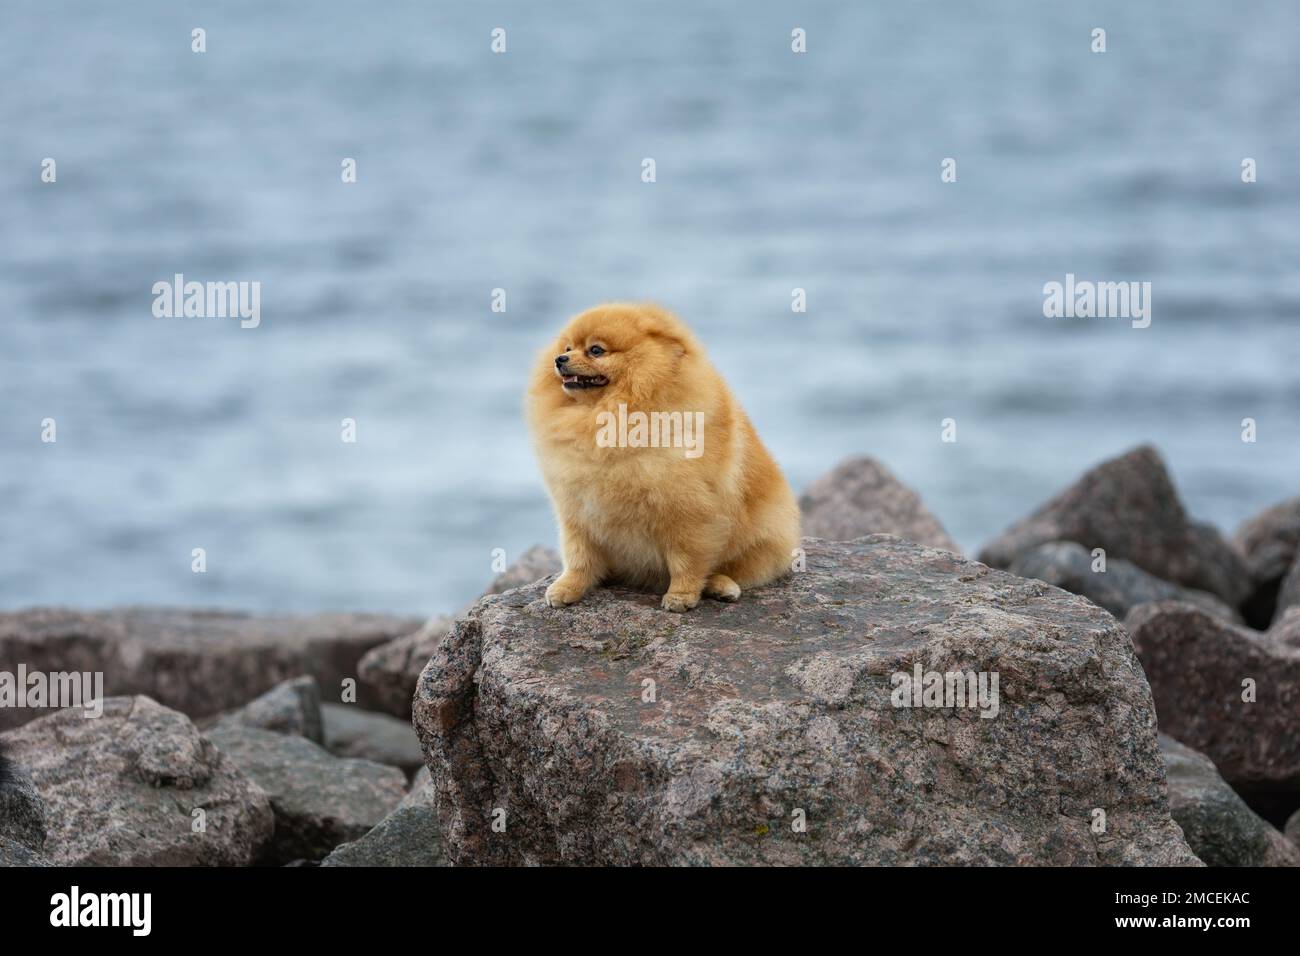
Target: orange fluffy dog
{"type": "Point", "coordinates": [657, 476]}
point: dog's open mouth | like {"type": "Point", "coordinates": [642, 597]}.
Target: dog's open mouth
{"type": "Point", "coordinates": [584, 381]}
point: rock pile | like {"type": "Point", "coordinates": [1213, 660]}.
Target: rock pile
{"type": "Point", "coordinates": [889, 703]}
{"type": "Point", "coordinates": [198, 662]}
{"type": "Point", "coordinates": [1228, 691]}
{"type": "Point", "coordinates": [1128, 506]}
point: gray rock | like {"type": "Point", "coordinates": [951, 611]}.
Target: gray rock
{"type": "Point", "coordinates": [122, 789]}
{"type": "Point", "coordinates": [22, 812]}
{"type": "Point", "coordinates": [861, 496]}
{"type": "Point", "coordinates": [1286, 632]}
{"type": "Point", "coordinates": [1271, 539]}
{"type": "Point", "coordinates": [1288, 596]}
{"type": "Point", "coordinates": [779, 709]}
{"type": "Point", "coordinates": [13, 853]}
{"type": "Point", "coordinates": [319, 800]}
{"type": "Point", "coordinates": [408, 836]}
{"type": "Point", "coordinates": [1119, 589]}
{"type": "Point", "coordinates": [199, 662]}
{"type": "Point", "coordinates": [1270, 542]}
{"type": "Point", "coordinates": [290, 707]}
{"type": "Point", "coordinates": [1129, 507]}
{"type": "Point", "coordinates": [353, 732]}
{"type": "Point", "coordinates": [389, 672]}
{"type": "Point", "coordinates": [1292, 831]}
{"type": "Point", "coordinates": [1218, 825]}
{"type": "Point", "coordinates": [421, 788]}
{"type": "Point", "coordinates": [1197, 664]}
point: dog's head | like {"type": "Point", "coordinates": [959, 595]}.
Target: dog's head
{"type": "Point", "coordinates": [631, 351]}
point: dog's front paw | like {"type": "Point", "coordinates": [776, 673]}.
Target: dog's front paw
{"type": "Point", "coordinates": [679, 601]}
{"type": "Point", "coordinates": [565, 590]}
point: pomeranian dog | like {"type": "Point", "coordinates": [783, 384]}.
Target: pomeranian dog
{"type": "Point", "coordinates": [658, 478]}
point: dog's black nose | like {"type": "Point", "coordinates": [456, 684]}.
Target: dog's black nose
{"type": "Point", "coordinates": [560, 360]}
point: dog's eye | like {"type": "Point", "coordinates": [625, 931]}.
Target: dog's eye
{"type": "Point", "coordinates": [595, 350]}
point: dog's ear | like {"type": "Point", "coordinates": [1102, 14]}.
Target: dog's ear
{"type": "Point", "coordinates": [660, 324]}
{"type": "Point", "coordinates": [677, 344]}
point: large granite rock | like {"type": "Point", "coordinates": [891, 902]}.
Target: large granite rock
{"type": "Point", "coordinates": [860, 496]}
{"type": "Point", "coordinates": [389, 672]}
{"type": "Point", "coordinates": [1218, 825]}
{"type": "Point", "coordinates": [1129, 507]}
{"type": "Point", "coordinates": [1198, 666]}
{"type": "Point", "coordinates": [408, 836]}
{"type": "Point", "coordinates": [123, 789]}
{"type": "Point", "coordinates": [353, 732]}
{"type": "Point", "coordinates": [1292, 829]}
{"type": "Point", "coordinates": [22, 812]}
{"type": "Point", "coordinates": [771, 735]}
{"type": "Point", "coordinates": [1119, 589]}
{"type": "Point", "coordinates": [199, 662]}
{"type": "Point", "coordinates": [290, 707]}
{"type": "Point", "coordinates": [319, 800]}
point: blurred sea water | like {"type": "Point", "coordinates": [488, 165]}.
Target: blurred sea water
{"type": "Point", "coordinates": [522, 171]}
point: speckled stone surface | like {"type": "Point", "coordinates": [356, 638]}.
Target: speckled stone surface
{"type": "Point", "coordinates": [546, 746]}
{"type": "Point", "coordinates": [122, 789]}
{"type": "Point", "coordinates": [1129, 506]}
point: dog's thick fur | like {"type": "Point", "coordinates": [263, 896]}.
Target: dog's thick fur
{"type": "Point", "coordinates": [654, 517]}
